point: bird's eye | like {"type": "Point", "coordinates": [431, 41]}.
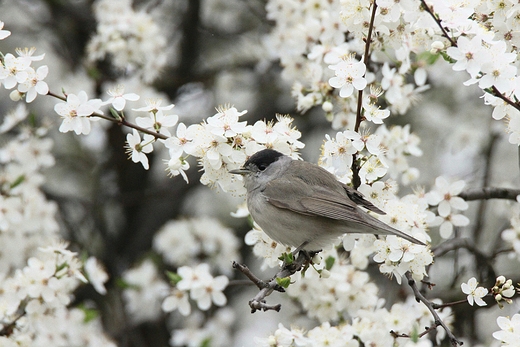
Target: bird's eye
{"type": "Point", "coordinates": [262, 167]}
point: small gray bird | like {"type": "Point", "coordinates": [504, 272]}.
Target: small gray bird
{"type": "Point", "coordinates": [302, 205]}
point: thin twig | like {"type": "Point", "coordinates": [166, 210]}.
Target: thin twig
{"type": "Point", "coordinates": [426, 331]}
{"type": "Point", "coordinates": [438, 21]}
{"type": "Point", "coordinates": [448, 304]}
{"type": "Point", "coordinates": [437, 319]}
{"type": "Point", "coordinates": [267, 287]}
{"type": "Point", "coordinates": [120, 121]}
{"type": "Point", "coordinates": [504, 98]}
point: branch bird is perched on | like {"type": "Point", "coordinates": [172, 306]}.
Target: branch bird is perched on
{"type": "Point", "coordinates": [302, 205]}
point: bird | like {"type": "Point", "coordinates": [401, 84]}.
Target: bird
{"type": "Point", "coordinates": [300, 204]}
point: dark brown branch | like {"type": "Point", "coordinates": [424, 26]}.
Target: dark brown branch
{"type": "Point", "coordinates": [455, 244]}
{"type": "Point", "coordinates": [267, 287]}
{"type": "Point", "coordinates": [356, 181]}
{"type": "Point", "coordinates": [483, 261]}
{"type": "Point", "coordinates": [438, 21]}
{"type": "Point", "coordinates": [438, 321]}
{"type": "Point", "coordinates": [359, 115]}
{"type": "Point", "coordinates": [504, 98]}
{"type": "Point", "coordinates": [482, 204]}
{"type": "Point", "coordinates": [448, 304]}
{"type": "Point", "coordinates": [8, 328]}
{"type": "Point", "coordinates": [426, 331]}
{"type": "Point", "coordinates": [487, 193]}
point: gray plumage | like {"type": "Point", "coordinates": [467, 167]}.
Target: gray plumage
{"type": "Point", "coordinates": [298, 203]}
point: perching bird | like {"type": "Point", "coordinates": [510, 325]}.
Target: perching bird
{"type": "Point", "coordinates": [302, 205]}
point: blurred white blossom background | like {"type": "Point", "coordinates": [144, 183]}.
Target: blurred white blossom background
{"type": "Point", "coordinates": [119, 220]}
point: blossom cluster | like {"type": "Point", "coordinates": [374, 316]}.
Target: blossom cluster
{"type": "Point", "coordinates": [338, 295]}
{"type": "Point", "coordinates": [190, 241]}
{"type": "Point", "coordinates": [198, 284]}
{"type": "Point", "coordinates": [216, 330]}
{"type": "Point", "coordinates": [39, 273]}
{"type": "Point", "coordinates": [369, 327]}
{"type": "Point", "coordinates": [132, 40]}
{"type": "Point", "coordinates": [386, 151]}
{"type": "Point", "coordinates": [488, 56]}
{"type": "Point", "coordinates": [144, 291]}
{"type": "Point", "coordinates": [35, 299]}
{"type": "Point", "coordinates": [17, 73]}
{"type": "Point", "coordinates": [444, 196]}
{"type": "Point", "coordinates": [316, 43]}
{"type": "Point", "coordinates": [202, 243]}
{"type": "Point", "coordinates": [27, 217]}
{"type": "Point", "coordinates": [503, 290]}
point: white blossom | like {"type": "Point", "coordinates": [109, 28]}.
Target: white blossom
{"type": "Point", "coordinates": [475, 293]}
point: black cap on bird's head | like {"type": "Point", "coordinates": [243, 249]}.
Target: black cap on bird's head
{"type": "Point", "coordinates": [261, 159]}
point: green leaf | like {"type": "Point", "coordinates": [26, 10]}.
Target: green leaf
{"type": "Point", "coordinates": [114, 113]}
{"type": "Point", "coordinates": [206, 342]}
{"type": "Point", "coordinates": [17, 181]}
{"type": "Point", "coordinates": [32, 119]}
{"type": "Point", "coordinates": [414, 335]}
{"type": "Point", "coordinates": [329, 262]}
{"type": "Point", "coordinates": [283, 282]}
{"type": "Point", "coordinates": [429, 58]}
{"type": "Point", "coordinates": [288, 258]}
{"type": "Point", "coordinates": [447, 57]}
{"type": "Point", "coordinates": [173, 277]}
{"type": "Point", "coordinates": [94, 72]}
{"type": "Point", "coordinates": [121, 283]}
{"type": "Point", "coordinates": [90, 313]}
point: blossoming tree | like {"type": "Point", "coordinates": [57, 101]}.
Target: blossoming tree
{"type": "Point", "coordinates": [413, 103]}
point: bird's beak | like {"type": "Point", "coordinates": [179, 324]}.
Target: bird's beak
{"type": "Point", "coordinates": [241, 171]}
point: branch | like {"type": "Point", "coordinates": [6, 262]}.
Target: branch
{"type": "Point", "coordinates": [490, 193]}
{"type": "Point", "coordinates": [8, 328]}
{"type": "Point", "coordinates": [120, 121]}
{"type": "Point", "coordinates": [438, 321]}
{"type": "Point", "coordinates": [356, 181]}
{"type": "Point", "coordinates": [267, 287]}
{"type": "Point", "coordinates": [438, 21]}
{"type": "Point", "coordinates": [482, 205]}
{"type": "Point", "coordinates": [359, 116]}
{"type": "Point", "coordinates": [426, 331]}
{"type": "Point", "coordinates": [483, 261]}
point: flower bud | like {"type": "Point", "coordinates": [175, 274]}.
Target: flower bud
{"type": "Point", "coordinates": [327, 106]}
{"type": "Point", "coordinates": [325, 273]}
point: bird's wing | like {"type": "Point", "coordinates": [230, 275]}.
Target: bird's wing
{"type": "Point", "coordinates": [359, 199]}
{"type": "Point", "coordinates": [312, 200]}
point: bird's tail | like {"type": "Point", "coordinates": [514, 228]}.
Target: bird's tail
{"type": "Point", "coordinates": [385, 229]}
